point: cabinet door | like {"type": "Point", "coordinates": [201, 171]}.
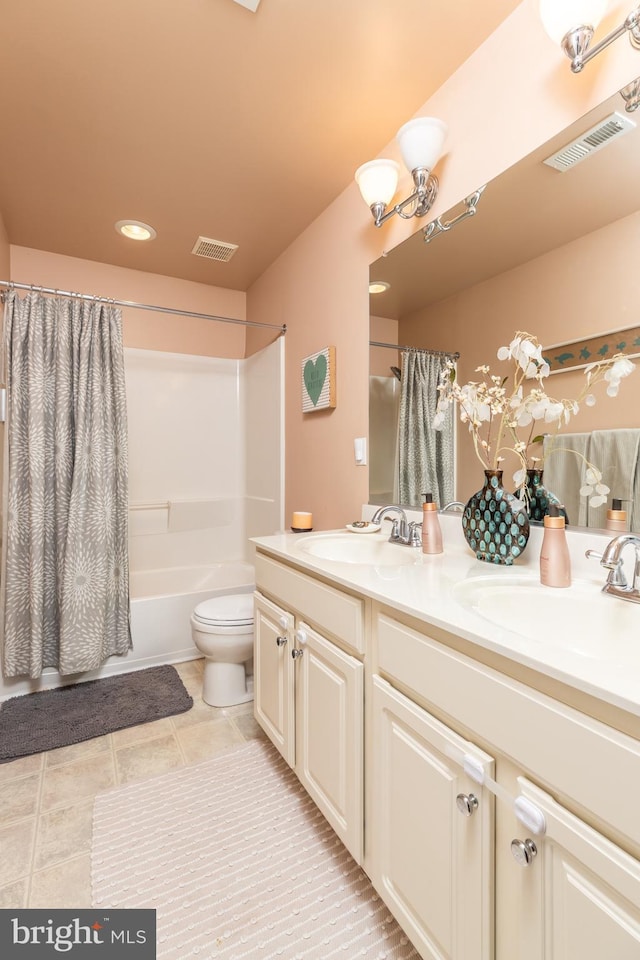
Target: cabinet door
{"type": "Point", "coordinates": [274, 676]}
{"type": "Point", "coordinates": [329, 733]}
{"type": "Point", "coordinates": [582, 891]}
{"type": "Point", "coordinates": [431, 863]}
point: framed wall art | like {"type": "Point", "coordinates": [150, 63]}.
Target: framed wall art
{"type": "Point", "coordinates": [318, 376]}
{"type": "Point", "coordinates": [578, 353]}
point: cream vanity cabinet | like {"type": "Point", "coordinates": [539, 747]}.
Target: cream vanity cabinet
{"type": "Point", "coordinates": [462, 874]}
{"type": "Point", "coordinates": [309, 640]}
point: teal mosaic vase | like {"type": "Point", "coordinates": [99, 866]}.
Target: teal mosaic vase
{"type": "Point", "coordinates": [538, 499]}
{"type": "Point", "coordinates": [495, 522]}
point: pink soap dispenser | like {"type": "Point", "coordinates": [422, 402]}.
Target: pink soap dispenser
{"type": "Point", "coordinates": [555, 562]}
{"type": "Point", "coordinates": [431, 530]}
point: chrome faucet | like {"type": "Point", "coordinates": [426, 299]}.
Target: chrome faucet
{"type": "Point", "coordinates": [611, 559]}
{"type": "Point", "coordinates": [401, 531]}
{"type": "Point", "coordinates": [456, 505]}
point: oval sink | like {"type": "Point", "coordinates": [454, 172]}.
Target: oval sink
{"type": "Point", "coordinates": [372, 549]}
{"type": "Point", "coordinates": [580, 618]}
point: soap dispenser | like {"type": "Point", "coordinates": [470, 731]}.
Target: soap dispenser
{"type": "Point", "coordinates": [555, 562]}
{"type": "Point", "coordinates": [617, 517]}
{"type": "Point", "coordinates": [431, 530]}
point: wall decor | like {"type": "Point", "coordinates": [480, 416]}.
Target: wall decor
{"type": "Point", "coordinates": [318, 376]}
{"type": "Point", "coordinates": [578, 353]}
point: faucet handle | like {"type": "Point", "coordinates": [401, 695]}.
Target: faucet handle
{"type": "Point", "coordinates": [616, 576]}
{"type": "Point", "coordinates": [415, 533]}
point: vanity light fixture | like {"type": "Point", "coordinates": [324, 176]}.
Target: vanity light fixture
{"type": "Point", "coordinates": [572, 24]}
{"type": "Point", "coordinates": [379, 286]}
{"type": "Point", "coordinates": [420, 141]}
{"type": "Point", "coordinates": [135, 230]}
{"type": "Point", "coordinates": [631, 95]}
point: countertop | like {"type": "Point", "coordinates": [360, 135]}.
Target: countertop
{"type": "Point", "coordinates": [594, 648]}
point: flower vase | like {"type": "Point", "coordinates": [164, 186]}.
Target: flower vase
{"type": "Point", "coordinates": [538, 499]}
{"type": "Point", "coordinates": [495, 522]}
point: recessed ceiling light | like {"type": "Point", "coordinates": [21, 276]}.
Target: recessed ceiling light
{"type": "Point", "coordinates": [379, 286]}
{"type": "Point", "coordinates": [135, 230]}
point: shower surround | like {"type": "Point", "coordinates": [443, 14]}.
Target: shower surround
{"type": "Point", "coordinates": [205, 474]}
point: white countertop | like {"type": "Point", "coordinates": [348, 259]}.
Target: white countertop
{"type": "Point", "coordinates": [597, 652]}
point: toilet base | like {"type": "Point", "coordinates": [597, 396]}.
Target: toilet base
{"type": "Point", "coordinates": [226, 684]}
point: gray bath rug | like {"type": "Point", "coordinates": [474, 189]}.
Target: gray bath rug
{"type": "Point", "coordinates": [239, 864]}
{"type": "Point", "coordinates": [80, 711]}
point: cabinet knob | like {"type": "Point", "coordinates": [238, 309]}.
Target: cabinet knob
{"type": "Point", "coordinates": [301, 637]}
{"type": "Point", "coordinates": [467, 804]}
{"type": "Point", "coordinates": [280, 641]}
{"type": "Point", "coordinates": [524, 851]}
{"type": "Point", "coordinates": [284, 622]}
{"type": "Point", "coordinates": [295, 654]}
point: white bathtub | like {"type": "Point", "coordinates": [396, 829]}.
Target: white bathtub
{"type": "Point", "coordinates": [161, 605]}
{"type": "Point", "coordinates": [162, 602]}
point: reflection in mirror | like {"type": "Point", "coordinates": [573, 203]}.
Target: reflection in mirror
{"type": "Point", "coordinates": [420, 459]}
{"type": "Point", "coordinates": [551, 251]}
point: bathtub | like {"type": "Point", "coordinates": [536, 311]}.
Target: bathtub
{"type": "Point", "coordinates": [161, 605]}
{"type": "Point", "coordinates": [162, 602]}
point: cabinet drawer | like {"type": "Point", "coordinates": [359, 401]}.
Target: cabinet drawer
{"type": "Point", "coordinates": [333, 611]}
{"type": "Point", "coordinates": [572, 753]}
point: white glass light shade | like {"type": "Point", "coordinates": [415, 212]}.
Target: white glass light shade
{"type": "Point", "coordinates": [421, 141]}
{"type": "Point", "coordinates": [561, 16]}
{"type": "Point", "coordinates": [378, 181]}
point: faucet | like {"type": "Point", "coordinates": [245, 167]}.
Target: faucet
{"type": "Point", "coordinates": [456, 505]}
{"type": "Point", "coordinates": [611, 559]}
{"type": "Point", "coordinates": [401, 531]}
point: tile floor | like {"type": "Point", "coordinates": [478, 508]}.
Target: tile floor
{"type": "Point", "coordinates": [46, 800]}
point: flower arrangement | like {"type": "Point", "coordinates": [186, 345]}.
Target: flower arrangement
{"type": "Point", "coordinates": [503, 414]}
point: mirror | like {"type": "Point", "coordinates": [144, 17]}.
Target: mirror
{"type": "Point", "coordinates": [548, 252]}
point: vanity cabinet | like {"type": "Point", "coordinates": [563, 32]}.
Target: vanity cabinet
{"type": "Point", "coordinates": [567, 890]}
{"type": "Point", "coordinates": [431, 834]}
{"type": "Point", "coordinates": [309, 689]}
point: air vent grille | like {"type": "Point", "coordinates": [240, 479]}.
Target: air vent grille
{"type": "Point", "coordinates": [214, 249]}
{"type": "Point", "coordinates": [594, 139]}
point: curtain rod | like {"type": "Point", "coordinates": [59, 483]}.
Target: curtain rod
{"type": "Point", "coordinates": [397, 346]}
{"type": "Point", "coordinates": [11, 284]}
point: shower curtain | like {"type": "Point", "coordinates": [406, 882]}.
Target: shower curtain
{"type": "Point", "coordinates": [65, 576]}
{"type": "Point", "coordinates": [425, 455]}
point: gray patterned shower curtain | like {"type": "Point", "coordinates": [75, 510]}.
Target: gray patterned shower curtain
{"type": "Point", "coordinates": [65, 575]}
{"type": "Point", "coordinates": [425, 455]}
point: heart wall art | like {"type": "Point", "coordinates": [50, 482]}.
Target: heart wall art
{"type": "Point", "coordinates": [318, 375]}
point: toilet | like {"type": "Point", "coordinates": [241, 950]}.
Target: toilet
{"type": "Point", "coordinates": [222, 630]}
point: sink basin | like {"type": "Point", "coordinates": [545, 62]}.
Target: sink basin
{"type": "Point", "coordinates": [372, 549]}
{"type": "Point", "coordinates": [580, 618]}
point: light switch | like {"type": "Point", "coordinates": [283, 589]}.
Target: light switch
{"type": "Point", "coordinates": [360, 450]}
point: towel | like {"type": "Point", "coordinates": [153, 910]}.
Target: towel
{"type": "Point", "coordinates": [564, 470]}
{"type": "Point", "coordinates": [615, 453]}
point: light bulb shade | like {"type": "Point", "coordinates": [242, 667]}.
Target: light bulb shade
{"type": "Point", "coordinates": [559, 17]}
{"type": "Point", "coordinates": [421, 141]}
{"type": "Point", "coordinates": [378, 181]}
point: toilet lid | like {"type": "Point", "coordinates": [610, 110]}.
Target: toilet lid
{"type": "Point", "coordinates": [234, 610]}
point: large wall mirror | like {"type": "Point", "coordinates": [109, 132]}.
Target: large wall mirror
{"type": "Point", "coordinates": [554, 253]}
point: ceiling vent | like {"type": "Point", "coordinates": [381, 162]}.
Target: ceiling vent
{"type": "Point", "coordinates": [214, 249]}
{"type": "Point", "coordinates": [583, 146]}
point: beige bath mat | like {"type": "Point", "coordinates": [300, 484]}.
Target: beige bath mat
{"type": "Point", "coordinates": [239, 864]}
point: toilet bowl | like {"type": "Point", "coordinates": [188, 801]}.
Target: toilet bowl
{"type": "Point", "coordinates": [222, 630]}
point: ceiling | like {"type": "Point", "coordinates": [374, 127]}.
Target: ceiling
{"type": "Point", "coordinates": [522, 214]}
{"type": "Point", "coordinates": [200, 117]}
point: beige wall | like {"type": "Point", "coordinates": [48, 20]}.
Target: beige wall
{"type": "Point", "coordinates": [383, 330]}
{"type": "Point", "coordinates": [549, 298]}
{"type": "Point", "coordinates": [514, 93]}
{"type": "Point", "coordinates": [146, 329]}
{"type": "Point", "coordinates": [5, 265]}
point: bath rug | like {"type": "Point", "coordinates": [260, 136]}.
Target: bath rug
{"type": "Point", "coordinates": [80, 711]}
{"type": "Point", "coordinates": [239, 864]}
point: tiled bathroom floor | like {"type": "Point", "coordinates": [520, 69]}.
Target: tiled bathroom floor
{"type": "Point", "coordinates": [46, 803]}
